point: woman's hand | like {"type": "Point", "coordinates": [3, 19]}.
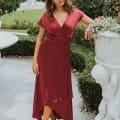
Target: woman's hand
{"type": "Point", "coordinates": [39, 41]}
{"type": "Point", "coordinates": [88, 34]}
{"type": "Point", "coordinates": [35, 68]}
{"type": "Point", "coordinates": [87, 21]}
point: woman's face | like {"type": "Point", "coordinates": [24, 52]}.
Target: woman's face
{"type": "Point", "coordinates": [118, 14]}
{"type": "Point", "coordinates": [59, 3]}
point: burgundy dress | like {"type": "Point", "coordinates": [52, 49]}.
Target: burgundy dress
{"type": "Point", "coordinates": [53, 84]}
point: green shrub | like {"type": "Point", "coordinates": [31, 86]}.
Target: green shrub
{"type": "Point", "coordinates": [21, 24]}
{"type": "Point", "coordinates": [5, 26]}
{"type": "Point", "coordinates": [111, 7]}
{"type": "Point", "coordinates": [77, 56]}
{"type": "Point", "coordinates": [89, 89]}
{"type": "Point", "coordinates": [33, 30]}
{"type": "Point", "coordinates": [92, 8]}
{"type": "Point", "coordinates": [77, 60]}
{"type": "Point", "coordinates": [78, 37]}
{"type": "Point", "coordinates": [18, 25]}
{"type": "Point", "coordinates": [24, 47]}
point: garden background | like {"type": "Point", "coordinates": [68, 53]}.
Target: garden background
{"type": "Point", "coordinates": [82, 51]}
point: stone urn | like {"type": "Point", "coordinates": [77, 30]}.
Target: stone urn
{"type": "Point", "coordinates": [106, 72]}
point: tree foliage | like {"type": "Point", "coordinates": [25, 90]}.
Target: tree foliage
{"type": "Point", "coordinates": [111, 7]}
{"type": "Point", "coordinates": [92, 8]}
{"type": "Point", "coordinates": [9, 5]}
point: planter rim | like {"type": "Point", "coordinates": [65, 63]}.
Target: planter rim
{"type": "Point", "coordinates": [109, 34]}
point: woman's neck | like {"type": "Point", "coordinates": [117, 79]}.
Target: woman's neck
{"type": "Point", "coordinates": [59, 9]}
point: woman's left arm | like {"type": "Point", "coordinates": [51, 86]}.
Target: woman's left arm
{"type": "Point", "coordinates": [88, 33]}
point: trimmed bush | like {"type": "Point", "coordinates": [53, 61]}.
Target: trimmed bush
{"type": "Point", "coordinates": [84, 50]}
{"type": "Point", "coordinates": [78, 37]}
{"type": "Point", "coordinates": [5, 26]}
{"type": "Point", "coordinates": [24, 47]}
{"type": "Point", "coordinates": [78, 53]}
{"type": "Point", "coordinates": [89, 89]}
{"type": "Point", "coordinates": [33, 30]}
{"type": "Point", "coordinates": [18, 25]}
{"type": "Point", "coordinates": [77, 60]}
{"type": "Point", "coordinates": [92, 8]}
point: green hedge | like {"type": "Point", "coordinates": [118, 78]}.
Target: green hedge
{"type": "Point", "coordinates": [92, 8]}
{"type": "Point", "coordinates": [84, 49]}
{"type": "Point", "coordinates": [78, 37]}
{"type": "Point", "coordinates": [77, 56]}
{"type": "Point", "coordinates": [24, 47]}
{"type": "Point", "coordinates": [89, 89]}
{"type": "Point", "coordinates": [18, 25]}
{"type": "Point", "coordinates": [76, 60]}
{"type": "Point", "coordinates": [33, 30]}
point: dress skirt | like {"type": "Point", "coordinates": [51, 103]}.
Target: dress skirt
{"type": "Point", "coordinates": [53, 85]}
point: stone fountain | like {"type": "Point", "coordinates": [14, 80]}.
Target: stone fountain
{"type": "Point", "coordinates": [31, 4]}
{"type": "Point", "coordinates": [107, 74]}
{"type": "Point", "coordinates": [7, 39]}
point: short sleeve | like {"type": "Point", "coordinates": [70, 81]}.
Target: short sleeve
{"type": "Point", "coordinates": [42, 20]}
{"type": "Point", "coordinates": [79, 14]}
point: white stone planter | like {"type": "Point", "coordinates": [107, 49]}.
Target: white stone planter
{"type": "Point", "coordinates": [107, 74]}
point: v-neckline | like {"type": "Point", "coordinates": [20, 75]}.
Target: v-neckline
{"type": "Point", "coordinates": [61, 26]}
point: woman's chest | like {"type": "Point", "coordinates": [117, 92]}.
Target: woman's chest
{"type": "Point", "coordinates": [67, 26]}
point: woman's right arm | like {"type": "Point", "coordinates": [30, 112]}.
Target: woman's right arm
{"type": "Point", "coordinates": [40, 39]}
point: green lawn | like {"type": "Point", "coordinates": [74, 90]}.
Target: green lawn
{"type": "Point", "coordinates": [14, 30]}
{"type": "Point", "coordinates": [30, 15]}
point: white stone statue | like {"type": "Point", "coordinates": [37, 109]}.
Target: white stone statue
{"type": "Point", "coordinates": [107, 73]}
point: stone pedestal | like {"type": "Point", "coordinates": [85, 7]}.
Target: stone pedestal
{"type": "Point", "coordinates": [107, 74]}
{"type": "Point", "coordinates": [6, 40]}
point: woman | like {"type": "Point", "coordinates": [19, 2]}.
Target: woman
{"type": "Point", "coordinates": [51, 61]}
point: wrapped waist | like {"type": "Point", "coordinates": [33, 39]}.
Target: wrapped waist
{"type": "Point", "coordinates": [57, 38]}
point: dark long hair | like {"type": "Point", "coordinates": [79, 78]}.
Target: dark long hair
{"type": "Point", "coordinates": [50, 6]}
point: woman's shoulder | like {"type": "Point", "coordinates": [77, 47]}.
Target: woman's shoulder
{"type": "Point", "coordinates": [44, 14]}
{"type": "Point", "coordinates": [78, 14]}
{"type": "Point", "coordinates": [76, 10]}
{"type": "Point", "coordinates": [43, 19]}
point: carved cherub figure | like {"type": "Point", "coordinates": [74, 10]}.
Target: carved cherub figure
{"type": "Point", "coordinates": [109, 84]}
